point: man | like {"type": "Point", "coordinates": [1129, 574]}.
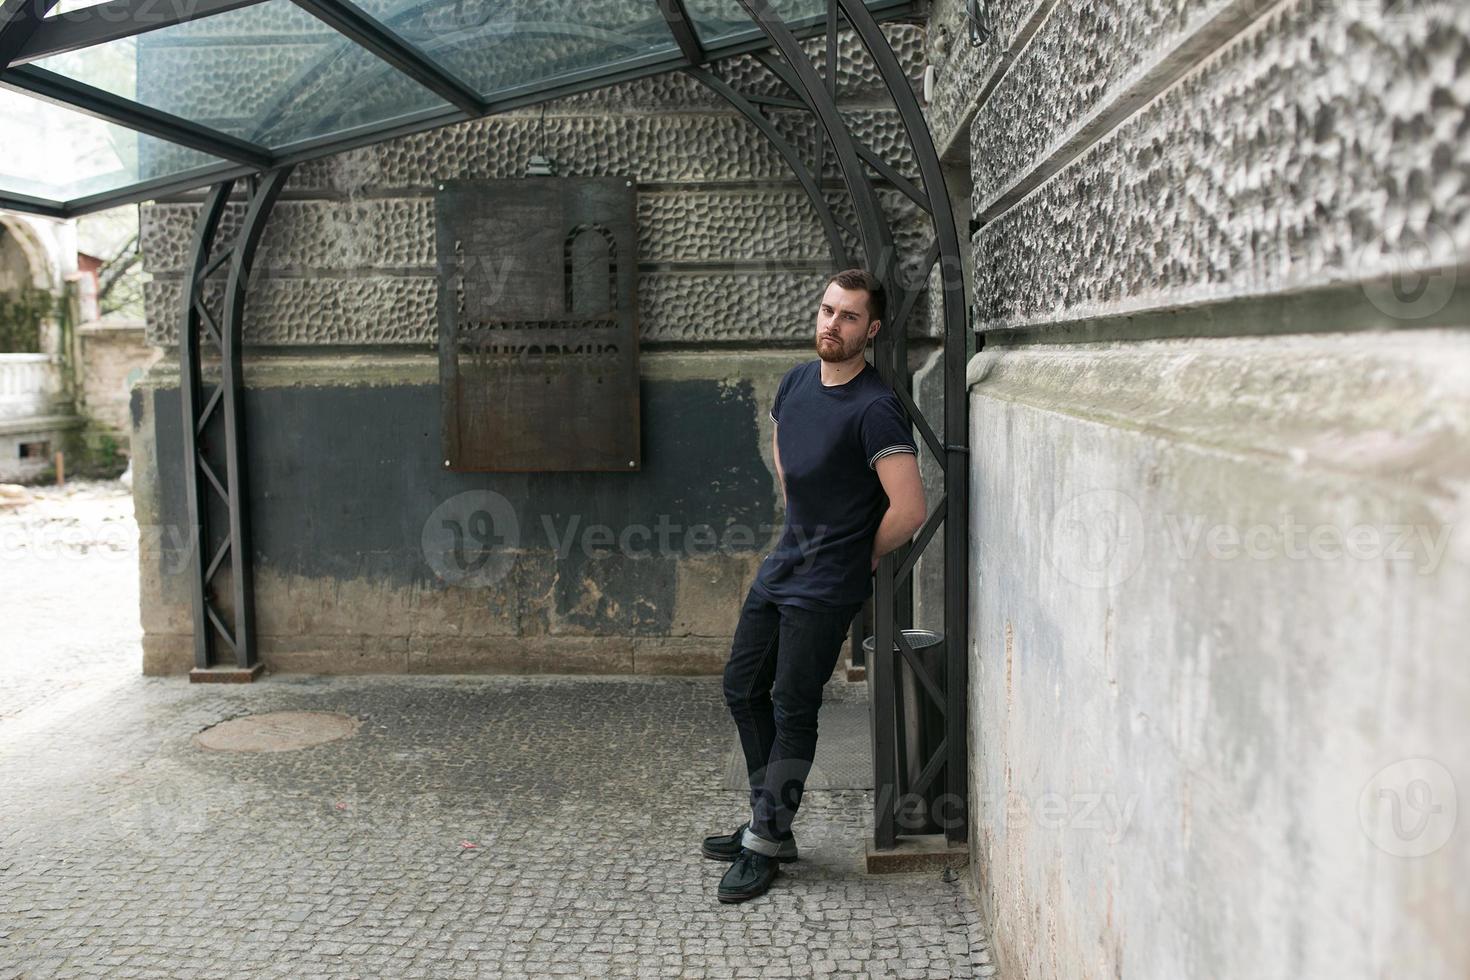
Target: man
{"type": "Point", "coordinates": [848, 469]}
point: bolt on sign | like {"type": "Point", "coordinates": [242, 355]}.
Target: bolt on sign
{"type": "Point", "coordinates": [538, 326]}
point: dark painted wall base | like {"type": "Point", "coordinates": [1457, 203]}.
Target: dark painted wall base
{"type": "Point", "coordinates": [370, 556]}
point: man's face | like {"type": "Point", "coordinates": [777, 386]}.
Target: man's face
{"type": "Point", "coordinates": [843, 327]}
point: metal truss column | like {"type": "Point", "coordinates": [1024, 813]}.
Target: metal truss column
{"type": "Point", "coordinates": [215, 475]}
{"type": "Point", "coordinates": [892, 596]}
{"type": "Point", "coordinates": [956, 455]}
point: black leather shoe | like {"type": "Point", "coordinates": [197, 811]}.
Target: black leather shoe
{"type": "Point", "coordinates": [727, 847]}
{"type": "Point", "coordinates": [749, 876]}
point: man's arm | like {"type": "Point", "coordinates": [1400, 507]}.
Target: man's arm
{"type": "Point", "coordinates": [899, 474]}
{"type": "Point", "coordinates": [776, 455]}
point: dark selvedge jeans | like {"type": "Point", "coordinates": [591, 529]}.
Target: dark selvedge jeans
{"type": "Point", "coordinates": [781, 657]}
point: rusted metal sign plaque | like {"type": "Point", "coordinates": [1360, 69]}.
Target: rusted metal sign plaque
{"type": "Point", "coordinates": [538, 325]}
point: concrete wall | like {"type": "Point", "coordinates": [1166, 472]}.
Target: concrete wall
{"type": "Point", "coordinates": [1219, 484]}
{"type": "Point", "coordinates": [114, 357]}
{"type": "Point", "coordinates": [35, 416]}
{"type": "Point", "coordinates": [342, 369]}
{"type": "Point", "coordinates": [590, 572]}
{"type": "Point", "coordinates": [37, 411]}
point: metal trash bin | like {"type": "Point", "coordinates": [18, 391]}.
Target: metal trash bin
{"type": "Point", "coordinates": [920, 726]}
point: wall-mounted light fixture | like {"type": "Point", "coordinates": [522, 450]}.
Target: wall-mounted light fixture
{"type": "Point", "coordinates": [540, 166]}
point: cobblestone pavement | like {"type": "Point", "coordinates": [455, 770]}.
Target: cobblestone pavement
{"type": "Point", "coordinates": [126, 850]}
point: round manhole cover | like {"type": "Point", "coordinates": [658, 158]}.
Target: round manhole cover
{"type": "Point", "coordinates": [277, 731]}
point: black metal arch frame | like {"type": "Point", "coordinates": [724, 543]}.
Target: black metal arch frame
{"type": "Point", "coordinates": [892, 593]}
{"type": "Point", "coordinates": [212, 319]}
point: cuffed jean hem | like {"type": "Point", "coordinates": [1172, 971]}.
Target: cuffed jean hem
{"type": "Point", "coordinates": [752, 841]}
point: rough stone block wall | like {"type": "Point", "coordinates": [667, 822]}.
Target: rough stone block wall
{"type": "Point", "coordinates": [1219, 483]}
{"type": "Point", "coordinates": [731, 255]}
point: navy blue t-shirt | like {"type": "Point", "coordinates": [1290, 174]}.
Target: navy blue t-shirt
{"type": "Point", "coordinates": [830, 438]}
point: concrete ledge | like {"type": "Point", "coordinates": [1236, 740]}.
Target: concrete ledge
{"type": "Point", "coordinates": [226, 675]}
{"type": "Point", "coordinates": [171, 654]}
{"type": "Point", "coordinates": [1244, 397]}
{"type": "Point", "coordinates": [700, 655]}
{"type": "Point", "coordinates": [41, 424]}
{"type": "Point", "coordinates": [930, 852]}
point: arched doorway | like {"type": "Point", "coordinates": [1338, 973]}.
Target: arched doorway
{"type": "Point", "coordinates": [26, 300]}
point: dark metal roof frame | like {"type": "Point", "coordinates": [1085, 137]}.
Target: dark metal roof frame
{"type": "Point", "coordinates": [350, 21]}
{"type": "Point", "coordinates": [68, 93]}
{"type": "Point", "coordinates": [19, 21]}
{"type": "Point", "coordinates": [113, 21]}
{"type": "Point", "coordinates": [32, 205]}
{"type": "Point", "coordinates": [677, 17]}
{"type": "Point", "coordinates": [63, 37]}
{"type": "Point", "coordinates": [745, 104]}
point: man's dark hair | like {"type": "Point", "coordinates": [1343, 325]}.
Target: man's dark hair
{"type": "Point", "coordinates": [862, 279]}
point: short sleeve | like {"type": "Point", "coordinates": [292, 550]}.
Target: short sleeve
{"type": "Point", "coordinates": [886, 430]}
{"type": "Point", "coordinates": [781, 391]}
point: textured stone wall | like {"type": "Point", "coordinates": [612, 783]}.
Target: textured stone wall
{"type": "Point", "coordinates": [1214, 574]}
{"type": "Point", "coordinates": [362, 271]}
{"type": "Point", "coordinates": [1316, 146]}
{"type": "Point", "coordinates": [114, 358]}
{"type": "Point", "coordinates": [349, 252]}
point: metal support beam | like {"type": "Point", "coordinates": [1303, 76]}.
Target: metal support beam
{"type": "Point", "coordinates": [113, 21]}
{"type": "Point", "coordinates": [351, 22]}
{"type": "Point", "coordinates": [797, 71]}
{"type": "Point", "coordinates": [190, 397]}
{"type": "Point", "coordinates": [214, 429]}
{"type": "Point", "coordinates": [894, 578]}
{"type": "Point", "coordinates": [869, 157]}
{"type": "Point", "coordinates": [873, 229]}
{"type": "Point", "coordinates": [891, 174]}
{"type": "Point", "coordinates": [19, 21]}
{"type": "Point", "coordinates": [956, 411]}
{"type": "Point", "coordinates": [99, 104]}
{"type": "Point", "coordinates": [32, 205]}
{"type": "Point", "coordinates": [677, 17]}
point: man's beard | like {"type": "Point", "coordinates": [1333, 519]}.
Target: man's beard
{"type": "Point", "coordinates": [838, 351]}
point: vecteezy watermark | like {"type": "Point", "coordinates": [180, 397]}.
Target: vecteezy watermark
{"type": "Point", "coordinates": [71, 540]}
{"type": "Point", "coordinates": [155, 820]}
{"type": "Point", "coordinates": [1097, 538]}
{"type": "Point", "coordinates": [1409, 808]}
{"type": "Point", "coordinates": [664, 538]}
{"type": "Point", "coordinates": [1423, 545]}
{"type": "Point", "coordinates": [1410, 275]}
{"type": "Point", "coordinates": [1102, 813]}
{"type": "Point", "coordinates": [472, 539]}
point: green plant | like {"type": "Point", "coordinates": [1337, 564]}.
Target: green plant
{"type": "Point", "coordinates": [21, 313]}
{"type": "Point", "coordinates": [107, 453]}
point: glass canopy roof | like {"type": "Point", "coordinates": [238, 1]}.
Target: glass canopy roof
{"type": "Point", "coordinates": [104, 102]}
